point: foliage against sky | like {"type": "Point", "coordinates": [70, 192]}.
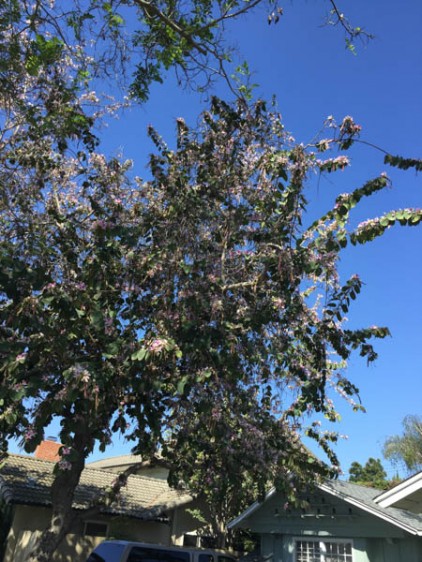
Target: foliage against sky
{"type": "Point", "coordinates": [371, 474]}
{"type": "Point", "coordinates": [406, 448]}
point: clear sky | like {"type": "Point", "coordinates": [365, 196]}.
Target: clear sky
{"type": "Point", "coordinates": [305, 65]}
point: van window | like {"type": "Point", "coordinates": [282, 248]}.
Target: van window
{"type": "Point", "coordinates": [205, 558]}
{"type": "Point", "coordinates": [143, 554]}
{"type": "Point", "coordinates": [222, 558]}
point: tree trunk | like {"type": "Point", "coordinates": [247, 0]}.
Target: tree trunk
{"type": "Point", "coordinates": [62, 493]}
{"type": "Point", "coordinates": [220, 533]}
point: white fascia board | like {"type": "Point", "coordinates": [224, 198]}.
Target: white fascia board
{"type": "Point", "coordinates": [251, 509]}
{"type": "Point", "coordinates": [401, 491]}
{"type": "Point", "coordinates": [386, 517]}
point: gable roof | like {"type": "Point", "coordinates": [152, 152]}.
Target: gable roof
{"type": "Point", "coordinates": [365, 498]}
{"type": "Point", "coordinates": [27, 480]}
{"type": "Point", "coordinates": [358, 496]}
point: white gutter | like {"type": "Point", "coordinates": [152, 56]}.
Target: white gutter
{"type": "Point", "coordinates": [401, 491]}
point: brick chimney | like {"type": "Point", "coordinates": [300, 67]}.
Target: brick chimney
{"type": "Point", "coordinates": [48, 450]}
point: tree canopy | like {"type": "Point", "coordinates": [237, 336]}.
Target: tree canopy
{"type": "Point", "coordinates": [196, 312]}
{"type": "Point", "coordinates": [406, 449]}
{"type": "Point", "coordinates": [371, 474]}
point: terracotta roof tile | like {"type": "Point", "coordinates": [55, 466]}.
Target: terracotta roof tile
{"type": "Point", "coordinates": [27, 480]}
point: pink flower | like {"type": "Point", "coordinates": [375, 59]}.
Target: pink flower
{"type": "Point", "coordinates": [157, 345]}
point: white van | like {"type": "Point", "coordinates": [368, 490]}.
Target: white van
{"type": "Point", "coordinates": [126, 551]}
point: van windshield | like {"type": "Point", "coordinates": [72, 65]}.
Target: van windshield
{"type": "Point", "coordinates": [107, 552]}
{"type": "Point", "coordinates": [143, 554]}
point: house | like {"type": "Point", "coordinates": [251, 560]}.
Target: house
{"type": "Point", "coordinates": [342, 522]}
{"type": "Point", "coordinates": [147, 509]}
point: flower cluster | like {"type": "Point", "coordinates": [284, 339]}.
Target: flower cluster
{"type": "Point", "coordinates": [333, 164]}
{"type": "Point", "coordinates": [157, 345]}
{"type": "Point", "coordinates": [64, 462]}
{"type": "Point", "coordinates": [349, 128]}
{"type": "Point", "coordinates": [64, 465]}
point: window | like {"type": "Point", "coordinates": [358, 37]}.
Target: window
{"type": "Point", "coordinates": [205, 558]}
{"type": "Point", "coordinates": [96, 529]}
{"type": "Point", "coordinates": [323, 551]}
{"type": "Point", "coordinates": [190, 540]}
{"type": "Point", "coordinates": [208, 542]}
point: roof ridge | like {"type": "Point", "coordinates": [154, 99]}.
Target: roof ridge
{"type": "Point", "coordinates": [86, 467]}
{"type": "Point", "coordinates": [29, 457]}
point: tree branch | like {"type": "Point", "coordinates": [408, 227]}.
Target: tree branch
{"type": "Point", "coordinates": [149, 8]}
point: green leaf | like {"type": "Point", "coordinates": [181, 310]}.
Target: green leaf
{"type": "Point", "coordinates": [140, 355]}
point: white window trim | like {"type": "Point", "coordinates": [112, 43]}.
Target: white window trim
{"type": "Point", "coordinates": [320, 541]}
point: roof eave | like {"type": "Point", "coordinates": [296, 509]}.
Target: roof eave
{"type": "Point", "coordinates": [401, 491]}
{"type": "Point", "coordinates": [251, 509]}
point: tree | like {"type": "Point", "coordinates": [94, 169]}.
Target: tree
{"type": "Point", "coordinates": [371, 474]}
{"type": "Point", "coordinates": [406, 448]}
{"type": "Point", "coordinates": [182, 311]}
{"type": "Point", "coordinates": [169, 305]}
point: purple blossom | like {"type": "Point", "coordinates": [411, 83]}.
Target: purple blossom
{"type": "Point", "coordinates": [29, 434]}
{"type": "Point", "coordinates": [100, 224]}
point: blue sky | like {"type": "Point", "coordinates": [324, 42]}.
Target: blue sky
{"type": "Point", "coordinates": [305, 65]}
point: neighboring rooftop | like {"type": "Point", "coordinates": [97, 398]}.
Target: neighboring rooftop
{"type": "Point", "coordinates": [406, 495]}
{"type": "Point", "coordinates": [27, 480]}
{"type": "Point", "coordinates": [153, 468]}
{"type": "Point", "coordinates": [121, 460]}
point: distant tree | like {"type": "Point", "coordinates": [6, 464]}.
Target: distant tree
{"type": "Point", "coordinates": [371, 474]}
{"type": "Point", "coordinates": [406, 449]}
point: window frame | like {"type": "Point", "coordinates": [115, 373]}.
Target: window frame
{"type": "Point", "coordinates": [320, 541]}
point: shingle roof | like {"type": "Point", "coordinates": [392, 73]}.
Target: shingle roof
{"type": "Point", "coordinates": [364, 497]}
{"type": "Point", "coordinates": [359, 496]}
{"type": "Point", "coordinates": [27, 480]}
